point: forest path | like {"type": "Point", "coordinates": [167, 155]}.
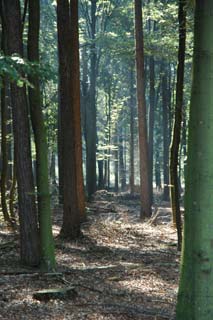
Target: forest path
{"type": "Point", "coordinates": [120, 268]}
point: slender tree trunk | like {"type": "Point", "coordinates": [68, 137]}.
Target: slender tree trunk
{"type": "Point", "coordinates": [4, 151]}
{"type": "Point", "coordinates": [132, 142]}
{"type": "Point", "coordinates": [9, 140]}
{"type": "Point", "coordinates": [42, 173]}
{"type": "Point", "coordinates": [143, 145]}
{"type": "Point", "coordinates": [75, 90]}
{"type": "Point", "coordinates": [13, 191]}
{"type": "Point", "coordinates": [26, 194]}
{"type": "Point", "coordinates": [91, 111]}
{"type": "Point", "coordinates": [105, 172]}
{"type": "Point", "coordinates": [157, 172]}
{"type": "Point", "coordinates": [165, 137]}
{"type": "Point", "coordinates": [52, 168]}
{"type": "Point", "coordinates": [4, 145]}
{"type": "Point", "coordinates": [109, 139]}
{"type": "Point", "coordinates": [121, 160]}
{"type": "Point", "coordinates": [116, 142]}
{"type": "Point", "coordinates": [196, 290]}
{"type": "Point", "coordinates": [151, 119]}
{"type": "Point", "coordinates": [84, 101]}
{"type": "Point", "coordinates": [174, 149]}
{"type": "Point", "coordinates": [100, 174]}
{"type": "Point", "coordinates": [152, 29]}
{"type": "Point", "coordinates": [125, 150]}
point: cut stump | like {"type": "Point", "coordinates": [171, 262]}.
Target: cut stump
{"type": "Point", "coordinates": [55, 293]}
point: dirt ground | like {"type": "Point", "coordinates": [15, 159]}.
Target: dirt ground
{"type": "Point", "coordinates": [120, 268]}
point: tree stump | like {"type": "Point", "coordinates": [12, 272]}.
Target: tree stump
{"type": "Point", "coordinates": [55, 293]}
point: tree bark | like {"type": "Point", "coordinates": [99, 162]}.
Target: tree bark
{"type": "Point", "coordinates": [195, 289]}
{"type": "Point", "coordinates": [75, 91]}
{"type": "Point", "coordinates": [165, 136]}
{"type": "Point", "coordinates": [68, 119]}
{"type": "Point", "coordinates": [175, 145]}
{"type": "Point", "coordinates": [143, 145]}
{"type": "Point", "coordinates": [100, 174]}
{"type": "Point", "coordinates": [4, 151]}
{"type": "Point", "coordinates": [42, 173]}
{"type": "Point", "coordinates": [122, 172]}
{"type": "Point", "coordinates": [151, 119]}
{"type": "Point", "coordinates": [132, 142]}
{"type": "Point", "coordinates": [4, 143]}
{"type": "Point", "coordinates": [29, 236]}
{"type": "Point", "coordinates": [91, 111]}
{"type": "Point", "coordinates": [116, 166]}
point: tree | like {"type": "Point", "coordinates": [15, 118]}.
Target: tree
{"type": "Point", "coordinates": [44, 209]}
{"type": "Point", "coordinates": [75, 89]}
{"type": "Point", "coordinates": [4, 143]}
{"type": "Point", "coordinates": [69, 118]}
{"type": "Point", "coordinates": [151, 118]}
{"type": "Point", "coordinates": [132, 142]}
{"type": "Point", "coordinates": [29, 237]}
{"type": "Point", "coordinates": [174, 149]}
{"type": "Point", "coordinates": [143, 145]}
{"type": "Point", "coordinates": [91, 130]}
{"type": "Point", "coordinates": [196, 290]}
{"type": "Point", "coordinates": [166, 133]}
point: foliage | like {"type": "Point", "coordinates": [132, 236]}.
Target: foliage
{"type": "Point", "coordinates": [18, 69]}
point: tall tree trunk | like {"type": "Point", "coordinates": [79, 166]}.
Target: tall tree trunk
{"type": "Point", "coordinates": [143, 145]}
{"type": "Point", "coordinates": [75, 90]}
{"type": "Point", "coordinates": [26, 193]}
{"type": "Point", "coordinates": [121, 160]}
{"type": "Point", "coordinates": [9, 140]}
{"type": "Point", "coordinates": [4, 151]}
{"type": "Point", "coordinates": [42, 173]}
{"type": "Point", "coordinates": [68, 118]}
{"type": "Point", "coordinates": [4, 144]}
{"type": "Point", "coordinates": [52, 168]}
{"type": "Point", "coordinates": [12, 192]}
{"type": "Point", "coordinates": [100, 174]}
{"type": "Point", "coordinates": [196, 290]}
{"type": "Point", "coordinates": [105, 172]}
{"type": "Point", "coordinates": [116, 142]}
{"type": "Point", "coordinates": [109, 139]}
{"type": "Point", "coordinates": [91, 111]}
{"type": "Point", "coordinates": [157, 171]}
{"type": "Point", "coordinates": [132, 142]}
{"type": "Point", "coordinates": [151, 119]}
{"type": "Point", "coordinates": [174, 149]}
{"type": "Point", "coordinates": [165, 136]}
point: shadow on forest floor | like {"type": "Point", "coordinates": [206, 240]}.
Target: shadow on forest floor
{"type": "Point", "coordinates": [120, 268]}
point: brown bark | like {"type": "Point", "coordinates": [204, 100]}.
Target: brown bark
{"type": "Point", "coordinates": [40, 136]}
{"type": "Point", "coordinates": [174, 151]}
{"type": "Point", "coordinates": [100, 174]}
{"type": "Point", "coordinates": [122, 172]}
{"type": "Point", "coordinates": [91, 111]}
{"type": "Point", "coordinates": [26, 197]}
{"type": "Point", "coordinates": [116, 166]}
{"type": "Point", "coordinates": [132, 142]}
{"type": "Point", "coordinates": [165, 136]}
{"type": "Point", "coordinates": [69, 116]}
{"type": "Point", "coordinates": [4, 142]}
{"type": "Point", "coordinates": [151, 119]}
{"type": "Point", "coordinates": [75, 91]}
{"type": "Point", "coordinates": [143, 145]}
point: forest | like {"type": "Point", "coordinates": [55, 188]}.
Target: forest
{"type": "Point", "coordinates": [106, 166]}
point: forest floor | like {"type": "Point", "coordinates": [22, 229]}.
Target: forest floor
{"type": "Point", "coordinates": [120, 268]}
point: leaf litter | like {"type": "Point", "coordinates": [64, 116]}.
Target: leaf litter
{"type": "Point", "coordinates": [120, 268]}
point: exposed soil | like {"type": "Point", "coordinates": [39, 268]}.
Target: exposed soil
{"type": "Point", "coordinates": [120, 268]}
